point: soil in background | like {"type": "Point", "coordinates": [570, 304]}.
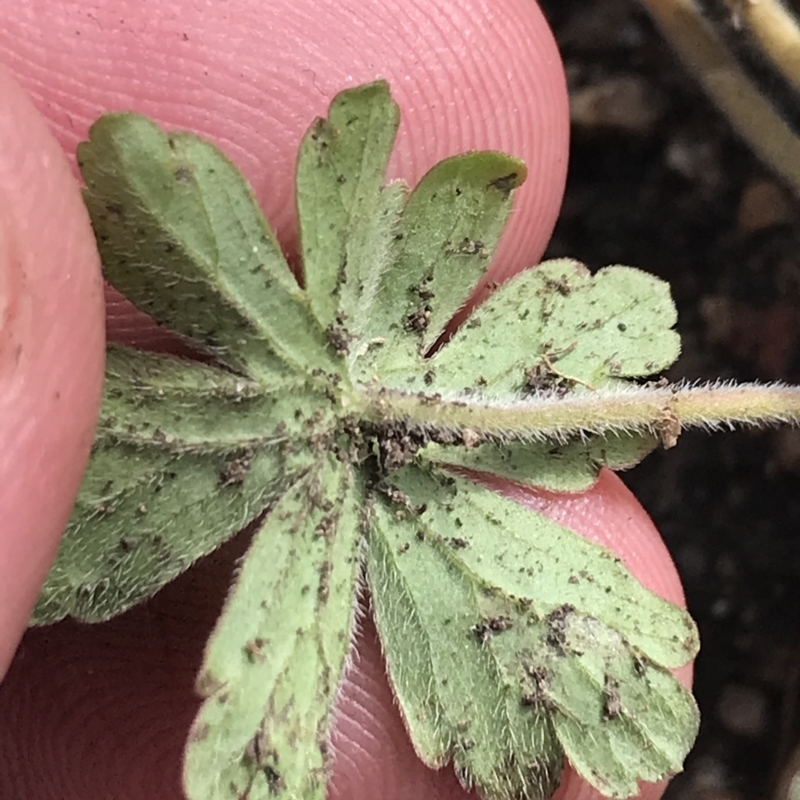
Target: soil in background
{"type": "Point", "coordinates": [658, 180]}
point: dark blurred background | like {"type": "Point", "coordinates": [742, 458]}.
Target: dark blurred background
{"type": "Point", "coordinates": [658, 180]}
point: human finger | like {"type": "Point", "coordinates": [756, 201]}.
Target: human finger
{"type": "Point", "coordinates": [251, 76]}
{"type": "Point", "coordinates": [51, 353]}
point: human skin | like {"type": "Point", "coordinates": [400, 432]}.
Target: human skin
{"type": "Point", "coordinates": [101, 711]}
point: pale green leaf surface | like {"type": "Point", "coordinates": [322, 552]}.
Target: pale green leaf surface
{"type": "Point", "coordinates": [358, 297]}
{"type": "Point", "coordinates": [186, 455]}
{"type": "Point", "coordinates": [458, 700]}
{"type": "Point", "coordinates": [618, 718]}
{"type": "Point", "coordinates": [571, 467]}
{"type": "Point", "coordinates": [475, 639]}
{"type": "Point", "coordinates": [180, 234]}
{"type": "Point", "coordinates": [181, 406]}
{"type": "Point", "coordinates": [617, 323]}
{"type": "Point", "coordinates": [340, 172]}
{"type": "Point", "coordinates": [160, 513]}
{"type": "Point", "coordinates": [449, 229]}
{"type": "Point", "coordinates": [274, 661]}
{"type": "Point", "coordinates": [560, 567]}
{"type": "Point", "coordinates": [649, 720]}
{"type": "Point", "coordinates": [105, 480]}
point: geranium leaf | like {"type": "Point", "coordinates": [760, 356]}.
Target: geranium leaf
{"type": "Point", "coordinates": [489, 615]}
{"type": "Point", "coordinates": [180, 234]}
{"type": "Point", "coordinates": [186, 456]}
{"type": "Point", "coordinates": [340, 175]}
{"type": "Point", "coordinates": [511, 642]}
{"type": "Point", "coordinates": [449, 229]}
{"type": "Point", "coordinates": [275, 658]}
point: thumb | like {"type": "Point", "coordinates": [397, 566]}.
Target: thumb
{"type": "Point", "coordinates": [51, 353]}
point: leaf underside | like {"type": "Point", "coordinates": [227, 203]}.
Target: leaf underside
{"type": "Point", "coordinates": [511, 642]}
{"type": "Point", "coordinates": [272, 664]}
{"type": "Point", "coordinates": [494, 635]}
{"type": "Point", "coordinates": [186, 455]}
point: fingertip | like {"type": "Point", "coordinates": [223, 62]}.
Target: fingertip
{"type": "Point", "coordinates": [573, 787]}
{"type": "Point", "coordinates": [251, 76]}
{"type": "Point", "coordinates": [51, 353]}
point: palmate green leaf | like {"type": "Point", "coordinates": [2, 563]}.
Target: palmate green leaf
{"type": "Point", "coordinates": [186, 456]}
{"type": "Point", "coordinates": [511, 642]}
{"type": "Point", "coordinates": [509, 638]}
{"type": "Point", "coordinates": [275, 658]}
{"type": "Point", "coordinates": [180, 234]}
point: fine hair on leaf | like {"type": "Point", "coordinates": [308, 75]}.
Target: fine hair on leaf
{"type": "Point", "coordinates": [318, 410]}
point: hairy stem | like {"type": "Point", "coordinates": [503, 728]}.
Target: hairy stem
{"type": "Point", "coordinates": [663, 410]}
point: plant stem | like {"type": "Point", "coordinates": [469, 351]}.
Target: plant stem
{"type": "Point", "coordinates": [663, 410]}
